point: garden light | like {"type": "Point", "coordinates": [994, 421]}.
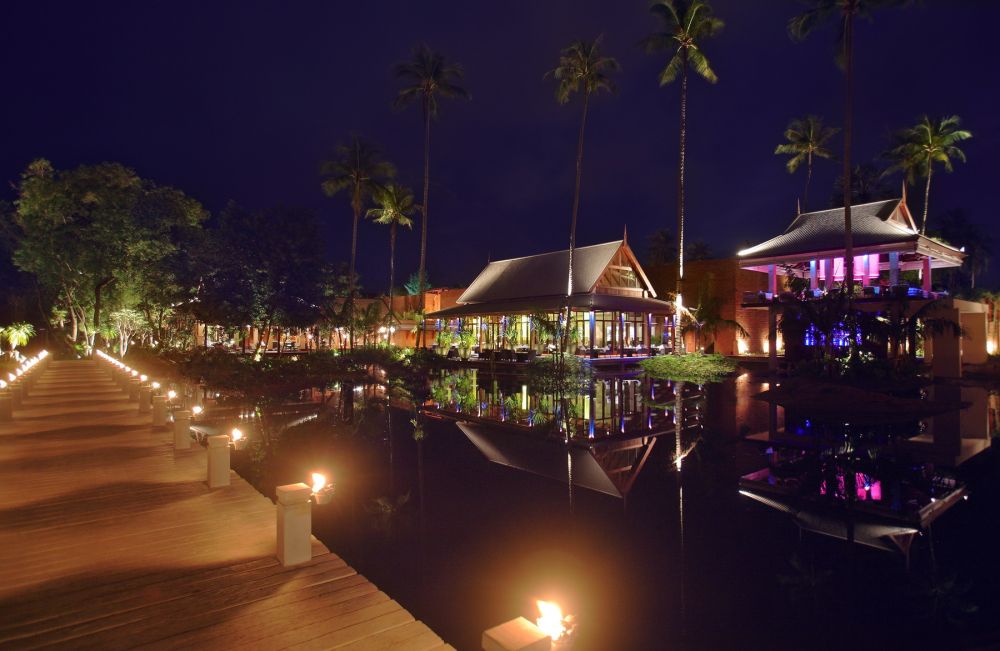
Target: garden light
{"type": "Point", "coordinates": [196, 410]}
{"type": "Point", "coordinates": [155, 385]}
{"type": "Point", "coordinates": [322, 491]}
{"type": "Point", "coordinates": [171, 394]}
{"type": "Point", "coordinates": [143, 377]}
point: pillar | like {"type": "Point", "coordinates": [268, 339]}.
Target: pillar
{"type": "Point", "coordinates": [946, 361]}
{"type": "Point", "coordinates": [133, 389]}
{"type": "Point", "coordinates": [593, 328]}
{"type": "Point", "coordinates": [927, 274]}
{"type": "Point", "coordinates": [772, 338]}
{"type": "Point", "coordinates": [182, 429]}
{"type": "Point", "coordinates": [218, 461]}
{"type": "Point", "coordinates": [772, 279]}
{"type": "Point", "coordinates": [893, 269]}
{"type": "Point", "coordinates": [828, 274]}
{"type": "Point", "coordinates": [813, 276]}
{"type": "Point", "coordinates": [294, 524]}
{"type": "Point", "coordinates": [159, 411]}
{"type": "Point", "coordinates": [647, 338]}
{"type": "Point", "coordinates": [865, 278]}
{"type": "Point", "coordinates": [16, 392]}
{"type": "Point", "coordinates": [974, 337]}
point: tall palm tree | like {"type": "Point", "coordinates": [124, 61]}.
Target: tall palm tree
{"type": "Point", "coordinates": [806, 137]}
{"type": "Point", "coordinates": [582, 68]}
{"type": "Point", "coordinates": [799, 27]}
{"type": "Point", "coordinates": [427, 77]}
{"type": "Point", "coordinates": [359, 168]}
{"type": "Point", "coordinates": [685, 24]}
{"type": "Point", "coordinates": [915, 150]}
{"type": "Point", "coordinates": [395, 207]}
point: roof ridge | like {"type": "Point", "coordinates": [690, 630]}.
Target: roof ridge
{"type": "Point", "coordinates": [853, 205]}
{"type": "Point", "coordinates": [575, 248]}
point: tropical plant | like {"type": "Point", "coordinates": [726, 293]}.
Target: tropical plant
{"type": "Point", "coordinates": [707, 317]}
{"type": "Point", "coordinates": [686, 23]}
{"type": "Point", "coordinates": [17, 334]}
{"type": "Point", "coordinates": [466, 340]}
{"type": "Point", "coordinates": [957, 230]}
{"type": "Point", "coordinates": [698, 250]}
{"type": "Point", "coordinates": [412, 284]}
{"type": "Point", "coordinates": [444, 339]}
{"type": "Point", "coordinates": [427, 77]}
{"type": "Point", "coordinates": [868, 184]}
{"type": "Point", "coordinates": [395, 209]}
{"type": "Point", "coordinates": [806, 138]}
{"type": "Point", "coordinates": [358, 167]}
{"type": "Point", "coordinates": [915, 150]}
{"type": "Point", "coordinates": [691, 367]}
{"type": "Point", "coordinates": [582, 68]}
{"type": "Point", "coordinates": [126, 323]}
{"type": "Point", "coordinates": [799, 27]}
{"type": "Point", "coordinates": [661, 247]}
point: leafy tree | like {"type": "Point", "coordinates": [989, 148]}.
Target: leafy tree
{"type": "Point", "coordinates": [584, 69]}
{"type": "Point", "coordinates": [843, 12]}
{"type": "Point", "coordinates": [915, 150]}
{"type": "Point", "coordinates": [412, 284]}
{"type": "Point", "coordinates": [395, 208]}
{"type": "Point", "coordinates": [957, 230]}
{"type": "Point", "coordinates": [661, 248]}
{"type": "Point", "coordinates": [126, 323]}
{"type": "Point", "coordinates": [868, 184]}
{"type": "Point", "coordinates": [805, 138]}
{"type": "Point", "coordinates": [698, 250]}
{"type": "Point", "coordinates": [358, 168]}
{"type": "Point", "coordinates": [686, 23]}
{"type": "Point", "coordinates": [81, 232]}
{"type": "Point", "coordinates": [707, 317]}
{"type": "Point", "coordinates": [426, 78]}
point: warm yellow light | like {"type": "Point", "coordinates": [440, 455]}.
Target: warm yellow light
{"type": "Point", "coordinates": [196, 410]}
{"type": "Point", "coordinates": [991, 347]}
{"type": "Point", "coordinates": [11, 377]}
{"type": "Point", "coordinates": [236, 434]}
{"type": "Point", "coordinates": [550, 619]}
{"type": "Point", "coordinates": [318, 482]}
{"type": "Point", "coordinates": [143, 377]}
{"type": "Point", "coordinates": [135, 373]}
{"type": "Point", "coordinates": [3, 384]}
{"type": "Point", "coordinates": [155, 385]}
{"type": "Point", "coordinates": [171, 394]}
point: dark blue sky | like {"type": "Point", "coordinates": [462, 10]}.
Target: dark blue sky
{"type": "Point", "coordinates": [241, 100]}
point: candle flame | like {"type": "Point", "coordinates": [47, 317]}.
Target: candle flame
{"type": "Point", "coordinates": [550, 619]}
{"type": "Point", "coordinates": [318, 482]}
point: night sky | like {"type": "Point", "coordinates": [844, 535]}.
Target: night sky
{"type": "Point", "coordinates": [241, 101]}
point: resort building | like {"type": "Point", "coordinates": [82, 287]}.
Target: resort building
{"type": "Point", "coordinates": [888, 250]}
{"type": "Point", "coordinates": [509, 309]}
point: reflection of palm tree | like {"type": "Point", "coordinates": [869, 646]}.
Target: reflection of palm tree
{"type": "Point", "coordinates": [395, 207]}
{"type": "Point", "coordinates": [427, 77]}
{"type": "Point", "coordinates": [806, 138]}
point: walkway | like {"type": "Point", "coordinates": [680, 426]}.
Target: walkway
{"type": "Point", "coordinates": [110, 539]}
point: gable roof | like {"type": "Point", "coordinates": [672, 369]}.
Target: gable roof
{"type": "Point", "coordinates": [545, 274]}
{"type": "Point", "coordinates": [873, 224]}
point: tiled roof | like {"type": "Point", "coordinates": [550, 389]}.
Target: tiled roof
{"type": "Point", "coordinates": [824, 231]}
{"type": "Point", "coordinates": [540, 275]}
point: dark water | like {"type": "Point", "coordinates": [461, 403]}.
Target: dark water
{"type": "Point", "coordinates": [678, 558]}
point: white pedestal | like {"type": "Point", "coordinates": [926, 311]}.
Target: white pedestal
{"type": "Point", "coordinates": [218, 461]}
{"type": "Point", "coordinates": [182, 429]}
{"type": "Point", "coordinates": [517, 634]}
{"type": "Point", "coordinates": [6, 408]}
{"type": "Point", "coordinates": [294, 524]}
{"type": "Point", "coordinates": [159, 411]}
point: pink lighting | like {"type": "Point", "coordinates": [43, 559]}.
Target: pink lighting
{"type": "Point", "coordinates": [859, 267]}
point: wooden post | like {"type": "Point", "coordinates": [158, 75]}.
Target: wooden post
{"type": "Point", "coordinates": [927, 274]}
{"type": "Point", "coordinates": [133, 389]}
{"type": "Point", "coordinates": [294, 524]}
{"type": "Point", "coordinates": [218, 461]}
{"type": "Point", "coordinates": [145, 398]}
{"type": "Point", "coordinates": [16, 392]}
{"type": "Point", "coordinates": [516, 635]}
{"type": "Point", "coordinates": [6, 407]}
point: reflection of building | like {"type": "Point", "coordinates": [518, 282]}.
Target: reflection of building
{"type": "Point", "coordinates": [614, 309]}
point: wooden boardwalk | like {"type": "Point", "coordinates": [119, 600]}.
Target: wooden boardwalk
{"type": "Point", "coordinates": [110, 539]}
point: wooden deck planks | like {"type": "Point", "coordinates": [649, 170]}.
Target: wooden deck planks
{"type": "Point", "coordinates": [111, 539]}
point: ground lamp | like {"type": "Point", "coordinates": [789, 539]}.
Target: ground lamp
{"type": "Point", "coordinates": [552, 630]}
{"type": "Point", "coordinates": [238, 439]}
{"type": "Point", "coordinates": [294, 543]}
{"type": "Point", "coordinates": [322, 490]}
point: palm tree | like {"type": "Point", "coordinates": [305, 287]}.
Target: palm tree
{"type": "Point", "coordinates": [806, 138]}
{"type": "Point", "coordinates": [582, 68]}
{"type": "Point", "coordinates": [915, 150]}
{"type": "Point", "coordinates": [799, 27]}
{"type": "Point", "coordinates": [427, 76]}
{"type": "Point", "coordinates": [359, 168]}
{"type": "Point", "coordinates": [17, 334]}
{"type": "Point", "coordinates": [395, 209]}
{"type": "Point", "coordinates": [661, 248]}
{"type": "Point", "coordinates": [685, 24]}
{"type": "Point", "coordinates": [868, 184]}
{"type": "Point", "coordinates": [707, 317]}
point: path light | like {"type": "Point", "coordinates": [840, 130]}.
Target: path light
{"type": "Point", "coordinates": [135, 373]}
{"type": "Point", "coordinates": [238, 439]}
{"type": "Point", "coordinates": [322, 492]}
{"type": "Point", "coordinates": [11, 377]}
{"type": "Point", "coordinates": [171, 394]}
{"type": "Point", "coordinates": [3, 384]}
{"type": "Point", "coordinates": [196, 410]}
{"type": "Point", "coordinates": [553, 623]}
{"type": "Point", "coordinates": [143, 377]}
{"type": "Point", "coordinates": [156, 385]}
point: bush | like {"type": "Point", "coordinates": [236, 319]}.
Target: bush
{"type": "Point", "coordinates": [693, 367]}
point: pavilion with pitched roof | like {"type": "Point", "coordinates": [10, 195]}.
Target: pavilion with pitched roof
{"type": "Point", "coordinates": [613, 305]}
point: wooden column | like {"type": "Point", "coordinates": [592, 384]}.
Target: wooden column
{"type": "Point", "coordinates": [927, 274]}
{"type": "Point", "coordinates": [828, 273]}
{"type": "Point", "coordinates": [893, 269]}
{"type": "Point", "coordinates": [593, 327]}
{"type": "Point", "coordinates": [772, 280]}
{"type": "Point", "coordinates": [813, 276]}
{"type": "Point", "coordinates": [772, 338]}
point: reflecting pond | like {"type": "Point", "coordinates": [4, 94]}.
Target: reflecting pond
{"type": "Point", "coordinates": [624, 504]}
